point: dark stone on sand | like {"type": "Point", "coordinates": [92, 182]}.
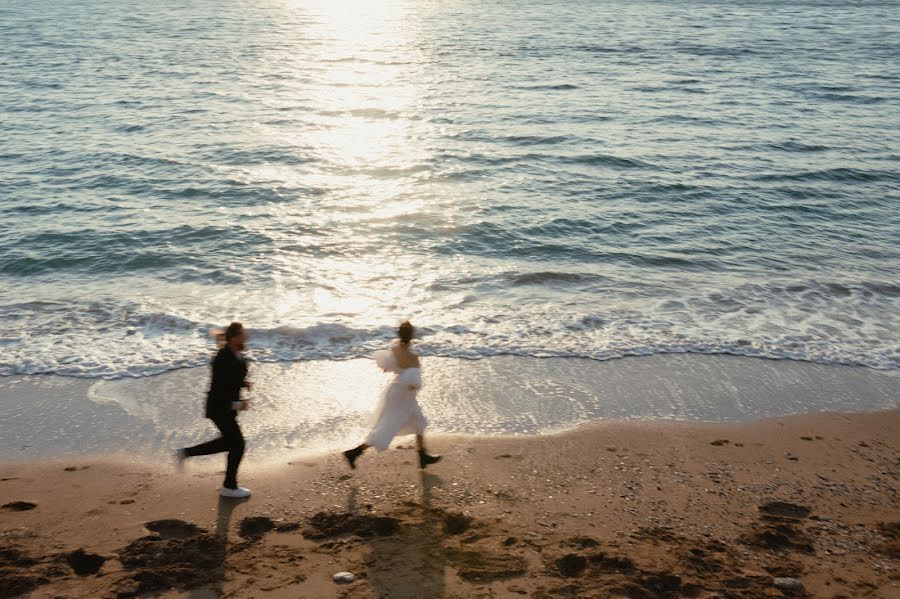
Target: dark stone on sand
{"type": "Point", "coordinates": [70, 469]}
{"type": "Point", "coordinates": [331, 524]}
{"type": "Point", "coordinates": [789, 585]}
{"type": "Point", "coordinates": [784, 510]}
{"type": "Point", "coordinates": [455, 524]}
{"type": "Point", "coordinates": [84, 563]}
{"type": "Point", "coordinates": [510, 541]}
{"type": "Point", "coordinates": [19, 506]}
{"type": "Point", "coordinates": [174, 529]}
{"type": "Point", "coordinates": [571, 565]}
{"type": "Point", "coordinates": [582, 542]}
{"type": "Point", "coordinates": [719, 442]}
{"type": "Point", "coordinates": [254, 527]}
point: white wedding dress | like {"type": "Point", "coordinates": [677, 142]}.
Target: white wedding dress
{"type": "Point", "coordinates": [398, 412]}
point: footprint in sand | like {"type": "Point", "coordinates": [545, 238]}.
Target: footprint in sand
{"type": "Point", "coordinates": [254, 527]}
{"type": "Point", "coordinates": [19, 506]}
{"type": "Point", "coordinates": [455, 524]}
{"type": "Point", "coordinates": [571, 565]}
{"type": "Point", "coordinates": [783, 509]}
{"type": "Point", "coordinates": [174, 529]}
{"type": "Point", "coordinates": [84, 563]}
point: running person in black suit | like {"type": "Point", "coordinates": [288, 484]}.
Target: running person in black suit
{"type": "Point", "coordinates": [223, 402]}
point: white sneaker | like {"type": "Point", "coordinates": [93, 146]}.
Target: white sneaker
{"type": "Point", "coordinates": [239, 493]}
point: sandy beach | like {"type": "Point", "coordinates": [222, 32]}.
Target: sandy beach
{"type": "Point", "coordinates": [647, 252]}
{"type": "Point", "coordinates": [629, 509]}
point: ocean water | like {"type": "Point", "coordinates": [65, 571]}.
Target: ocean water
{"type": "Point", "coordinates": [555, 178]}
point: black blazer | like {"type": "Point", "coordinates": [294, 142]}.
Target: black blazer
{"type": "Point", "coordinates": [228, 376]}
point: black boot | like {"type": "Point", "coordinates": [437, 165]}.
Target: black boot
{"type": "Point", "coordinates": [352, 455]}
{"type": "Point", "coordinates": [425, 459]}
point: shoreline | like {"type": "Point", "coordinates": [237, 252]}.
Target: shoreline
{"type": "Point", "coordinates": [313, 407]}
{"type": "Point", "coordinates": [636, 509]}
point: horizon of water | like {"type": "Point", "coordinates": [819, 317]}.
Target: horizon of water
{"type": "Point", "coordinates": [589, 179]}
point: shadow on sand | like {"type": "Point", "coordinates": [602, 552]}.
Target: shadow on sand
{"type": "Point", "coordinates": [409, 564]}
{"type": "Point", "coordinates": [216, 589]}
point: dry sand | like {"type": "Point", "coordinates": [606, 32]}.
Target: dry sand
{"type": "Point", "coordinates": [616, 509]}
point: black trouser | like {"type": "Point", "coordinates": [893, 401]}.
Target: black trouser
{"type": "Point", "coordinates": [231, 441]}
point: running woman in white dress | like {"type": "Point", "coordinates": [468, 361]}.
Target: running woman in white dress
{"type": "Point", "coordinates": [398, 412]}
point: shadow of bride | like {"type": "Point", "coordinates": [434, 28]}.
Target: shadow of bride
{"type": "Point", "coordinates": [409, 564]}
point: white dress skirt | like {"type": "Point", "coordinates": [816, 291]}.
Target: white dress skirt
{"type": "Point", "coordinates": [397, 412]}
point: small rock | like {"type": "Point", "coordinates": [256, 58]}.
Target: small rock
{"type": "Point", "coordinates": [719, 442]}
{"type": "Point", "coordinates": [343, 577]}
{"type": "Point", "coordinates": [791, 585]}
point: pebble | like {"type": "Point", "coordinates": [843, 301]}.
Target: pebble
{"type": "Point", "coordinates": [345, 577]}
{"type": "Point", "coordinates": [789, 584]}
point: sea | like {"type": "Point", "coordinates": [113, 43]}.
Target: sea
{"type": "Point", "coordinates": [568, 179]}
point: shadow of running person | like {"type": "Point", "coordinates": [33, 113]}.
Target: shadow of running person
{"type": "Point", "coordinates": [410, 564]}
{"type": "Point", "coordinates": [215, 588]}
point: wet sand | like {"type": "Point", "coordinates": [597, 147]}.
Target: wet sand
{"type": "Point", "coordinates": [630, 509]}
{"type": "Point", "coordinates": [309, 407]}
